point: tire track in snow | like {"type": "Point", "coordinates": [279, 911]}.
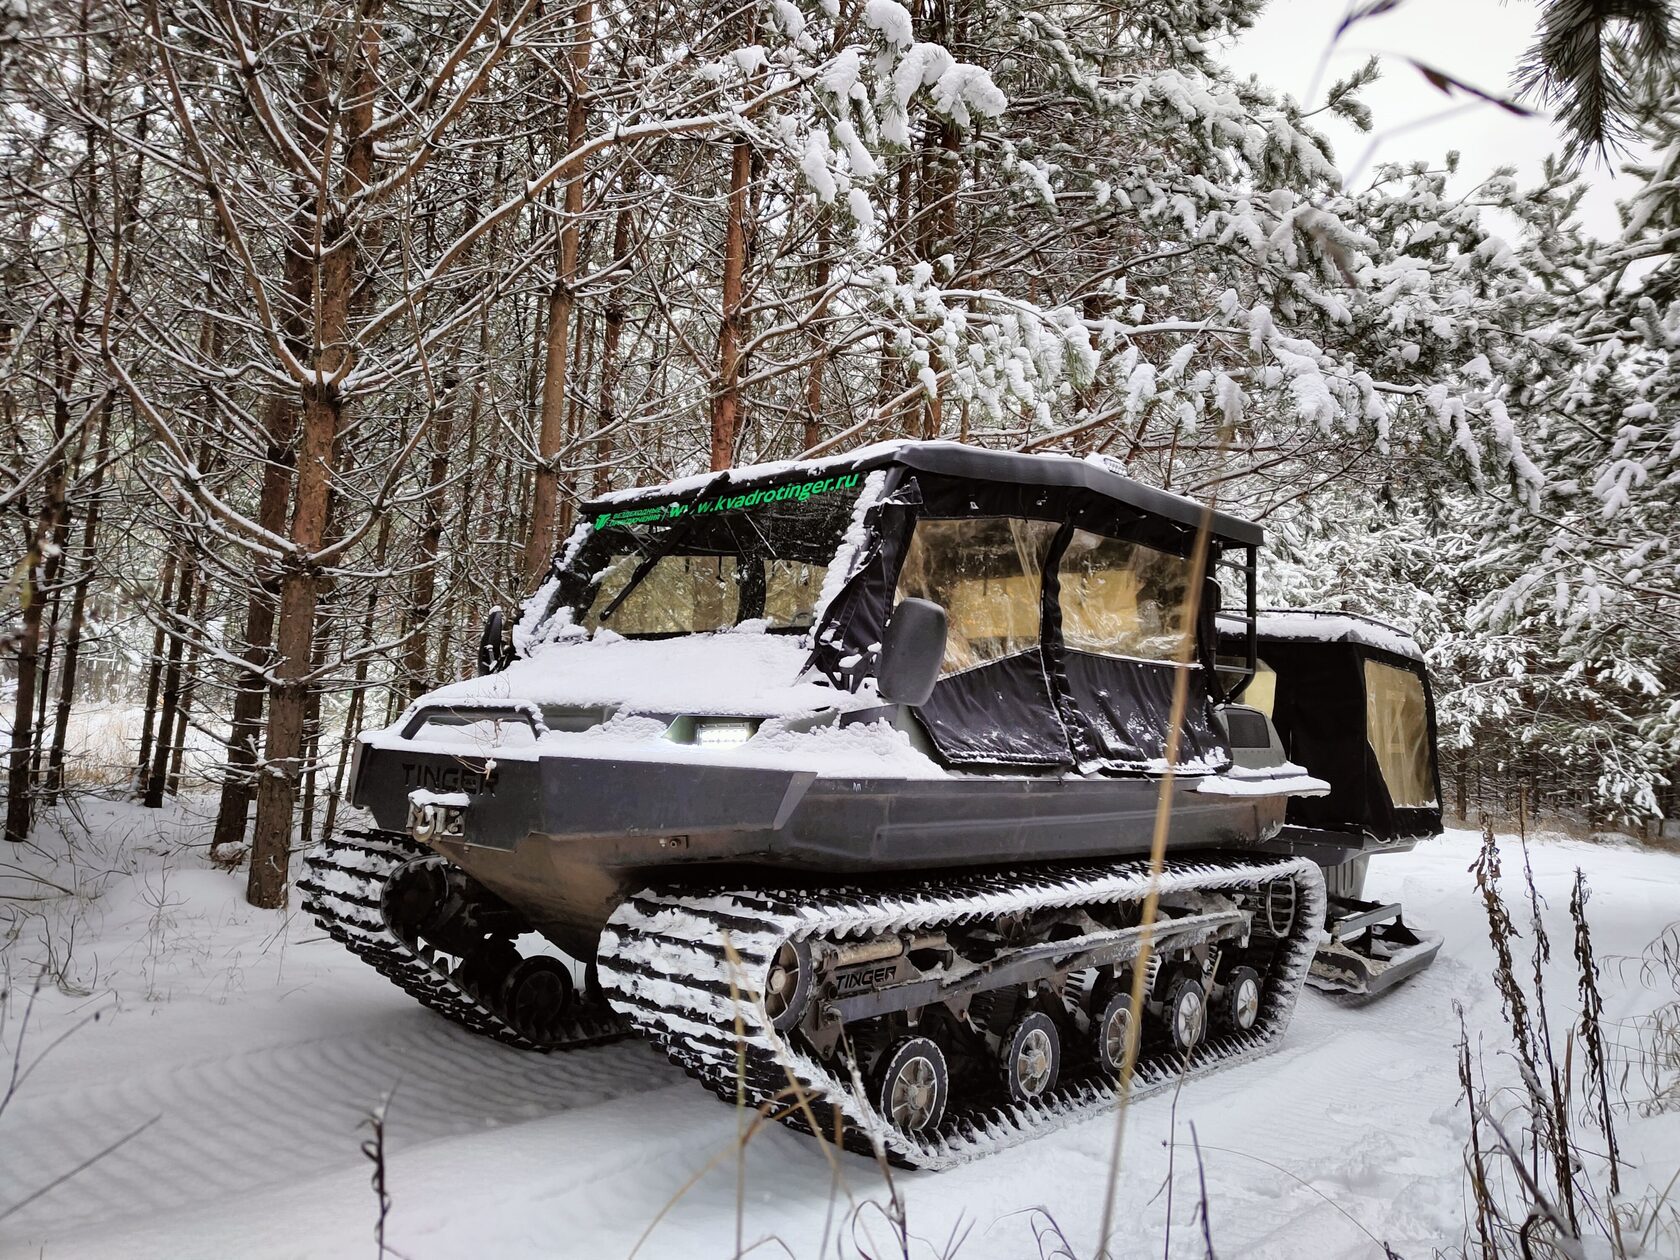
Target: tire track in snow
{"type": "Point", "coordinates": [1355, 1124]}
{"type": "Point", "coordinates": [257, 1117]}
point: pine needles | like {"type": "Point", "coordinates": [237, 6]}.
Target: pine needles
{"type": "Point", "coordinates": [1588, 65]}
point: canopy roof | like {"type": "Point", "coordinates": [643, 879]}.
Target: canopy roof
{"type": "Point", "coordinates": [1096, 474]}
{"type": "Point", "coordinates": [1322, 626]}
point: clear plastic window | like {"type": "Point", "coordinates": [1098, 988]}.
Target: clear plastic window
{"type": "Point", "coordinates": [679, 595]}
{"type": "Point", "coordinates": [1261, 692]}
{"type": "Point", "coordinates": [987, 573]}
{"type": "Point", "coordinates": [735, 556]}
{"type": "Point", "coordinates": [1122, 598]}
{"type": "Point", "coordinates": [1397, 724]}
{"type": "Point", "coordinates": [791, 591]}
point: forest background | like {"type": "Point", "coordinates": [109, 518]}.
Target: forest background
{"type": "Point", "coordinates": [318, 320]}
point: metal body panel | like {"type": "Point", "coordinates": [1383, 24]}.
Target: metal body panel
{"type": "Point", "coordinates": [565, 839]}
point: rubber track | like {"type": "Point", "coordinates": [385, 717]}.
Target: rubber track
{"type": "Point", "coordinates": [664, 963]}
{"type": "Point", "coordinates": [343, 876]}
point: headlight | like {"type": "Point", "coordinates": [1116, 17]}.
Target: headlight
{"type": "Point", "coordinates": [723, 732]}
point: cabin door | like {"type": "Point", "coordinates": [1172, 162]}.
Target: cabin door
{"type": "Point", "coordinates": [1117, 613]}
{"type": "Point", "coordinates": [994, 703]}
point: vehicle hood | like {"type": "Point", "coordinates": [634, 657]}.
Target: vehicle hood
{"type": "Point", "coordinates": [731, 673]}
{"type": "Point", "coordinates": [739, 671]}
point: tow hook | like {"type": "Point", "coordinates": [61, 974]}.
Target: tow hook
{"type": "Point", "coordinates": [431, 820]}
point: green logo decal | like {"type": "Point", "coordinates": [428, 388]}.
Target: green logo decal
{"type": "Point", "coordinates": [727, 503]}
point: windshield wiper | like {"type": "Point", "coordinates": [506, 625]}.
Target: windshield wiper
{"type": "Point", "coordinates": [671, 542]}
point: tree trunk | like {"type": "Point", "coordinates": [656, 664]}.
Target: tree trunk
{"type": "Point", "coordinates": [545, 497]}
{"type": "Point", "coordinates": [583, 361]}
{"type": "Point", "coordinates": [323, 417]}
{"type": "Point", "coordinates": [280, 429]}
{"type": "Point", "coordinates": [613, 329]}
{"type": "Point", "coordinates": [312, 737]}
{"type": "Point", "coordinates": [424, 585]}
{"type": "Point", "coordinates": [41, 570]}
{"type": "Point", "coordinates": [154, 681]}
{"type": "Point", "coordinates": [153, 798]}
{"type": "Point", "coordinates": [814, 382]}
{"type": "Point", "coordinates": [50, 574]}
{"type": "Point", "coordinates": [78, 613]}
{"type": "Point", "coordinates": [358, 693]}
{"type": "Point", "coordinates": [183, 716]}
{"type": "Point", "coordinates": [294, 642]}
{"type": "Point", "coordinates": [352, 720]}
{"type": "Point", "coordinates": [246, 727]}
{"type": "Point", "coordinates": [732, 332]}
{"type": "Point", "coordinates": [463, 531]}
{"type": "Point", "coordinates": [19, 789]}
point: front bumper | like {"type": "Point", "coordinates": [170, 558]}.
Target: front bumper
{"type": "Point", "coordinates": [496, 803]}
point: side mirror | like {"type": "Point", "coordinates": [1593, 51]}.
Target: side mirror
{"type": "Point", "coordinates": [912, 650]}
{"type": "Point", "coordinates": [492, 656]}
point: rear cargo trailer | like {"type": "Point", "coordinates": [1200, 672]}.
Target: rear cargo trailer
{"type": "Point", "coordinates": [1324, 680]}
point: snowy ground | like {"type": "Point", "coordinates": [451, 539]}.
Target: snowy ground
{"type": "Point", "coordinates": [104, 736]}
{"type": "Point", "coordinates": [251, 1050]}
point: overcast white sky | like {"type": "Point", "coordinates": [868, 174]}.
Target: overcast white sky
{"type": "Point", "coordinates": [1479, 41]}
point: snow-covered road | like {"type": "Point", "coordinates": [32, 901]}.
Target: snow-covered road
{"type": "Point", "coordinates": [252, 1057]}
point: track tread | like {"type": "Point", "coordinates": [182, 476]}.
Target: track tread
{"type": "Point", "coordinates": [660, 959]}
{"type": "Point", "coordinates": [341, 875]}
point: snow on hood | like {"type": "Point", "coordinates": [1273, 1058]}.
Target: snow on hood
{"type": "Point", "coordinates": [741, 671]}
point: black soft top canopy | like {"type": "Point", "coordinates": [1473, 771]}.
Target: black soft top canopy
{"type": "Point", "coordinates": [1026, 696]}
{"type": "Point", "coordinates": [950, 459]}
{"type": "Point", "coordinates": [1328, 626]}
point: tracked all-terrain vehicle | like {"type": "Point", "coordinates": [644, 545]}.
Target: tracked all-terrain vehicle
{"type": "Point", "coordinates": [838, 780]}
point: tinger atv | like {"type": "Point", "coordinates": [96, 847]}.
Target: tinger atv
{"type": "Point", "coordinates": [843, 775]}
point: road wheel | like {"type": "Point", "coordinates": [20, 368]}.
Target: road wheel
{"type": "Point", "coordinates": [1110, 1029]}
{"type": "Point", "coordinates": [912, 1085]}
{"type": "Point", "coordinates": [483, 971]}
{"type": "Point", "coordinates": [1185, 1011]}
{"type": "Point", "coordinates": [1032, 1057]}
{"type": "Point", "coordinates": [536, 997]}
{"type": "Point", "coordinates": [787, 985]}
{"type": "Point", "coordinates": [1240, 1006]}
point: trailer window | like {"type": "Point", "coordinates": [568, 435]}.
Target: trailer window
{"type": "Point", "coordinates": [987, 574]}
{"type": "Point", "coordinates": [1397, 725]}
{"type": "Point", "coordinates": [1122, 598]}
{"type": "Point", "coordinates": [1261, 692]}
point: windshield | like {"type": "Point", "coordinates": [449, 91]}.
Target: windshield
{"type": "Point", "coordinates": [757, 556]}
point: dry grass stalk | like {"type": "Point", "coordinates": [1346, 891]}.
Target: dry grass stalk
{"type": "Point", "coordinates": [374, 1150]}
{"type": "Point", "coordinates": [1597, 1102]}
{"type": "Point", "coordinates": [1534, 1188]}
